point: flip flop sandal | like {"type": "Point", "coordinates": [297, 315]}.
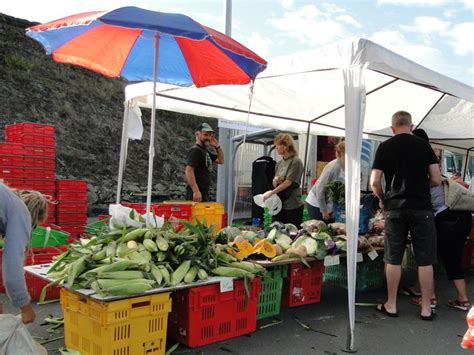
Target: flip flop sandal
{"type": "Point", "coordinates": [430, 317]}
{"type": "Point", "coordinates": [417, 302]}
{"type": "Point", "coordinates": [381, 308]}
{"type": "Point", "coordinates": [463, 306]}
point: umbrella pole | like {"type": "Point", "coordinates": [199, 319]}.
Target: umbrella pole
{"type": "Point", "coordinates": [123, 153]}
{"type": "Point", "coordinates": [151, 152]}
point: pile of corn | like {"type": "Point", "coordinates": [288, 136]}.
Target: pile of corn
{"type": "Point", "coordinates": [136, 260]}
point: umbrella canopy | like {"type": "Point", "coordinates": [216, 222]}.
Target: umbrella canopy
{"type": "Point", "coordinates": [139, 45]}
{"type": "Point", "coordinates": [120, 43]}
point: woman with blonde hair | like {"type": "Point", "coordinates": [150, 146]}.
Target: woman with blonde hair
{"type": "Point", "coordinates": [20, 212]}
{"type": "Point", "coordinates": [286, 183]}
{"type": "Point", "coordinates": [318, 205]}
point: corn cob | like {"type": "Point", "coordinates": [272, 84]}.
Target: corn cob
{"type": "Point", "coordinates": [131, 244]}
{"type": "Point", "coordinates": [225, 257]}
{"type": "Point", "coordinates": [137, 257]}
{"type": "Point", "coordinates": [105, 283]}
{"type": "Point", "coordinates": [128, 274]}
{"type": "Point", "coordinates": [161, 256]}
{"type": "Point", "coordinates": [202, 274]}
{"type": "Point", "coordinates": [146, 255]}
{"type": "Point", "coordinates": [99, 255]}
{"type": "Point", "coordinates": [131, 288]}
{"type": "Point", "coordinates": [148, 235]}
{"type": "Point", "coordinates": [231, 272]}
{"type": "Point", "coordinates": [137, 233]}
{"type": "Point", "coordinates": [248, 266]}
{"type": "Point", "coordinates": [77, 267]}
{"type": "Point", "coordinates": [180, 272]}
{"type": "Point", "coordinates": [191, 274]}
{"type": "Point", "coordinates": [150, 245]}
{"type": "Point", "coordinates": [110, 249]}
{"type": "Point", "coordinates": [122, 250]}
{"type": "Point", "coordinates": [166, 275]}
{"type": "Point", "coordinates": [119, 265]}
{"type": "Point", "coordinates": [161, 243]}
{"type": "Point", "coordinates": [179, 250]}
{"type": "Point", "coordinates": [156, 273]}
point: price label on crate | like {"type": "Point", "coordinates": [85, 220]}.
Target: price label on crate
{"type": "Point", "coordinates": [373, 254]}
{"type": "Point", "coordinates": [331, 260]}
{"type": "Point", "coordinates": [227, 284]}
{"type": "Point", "coordinates": [360, 257]}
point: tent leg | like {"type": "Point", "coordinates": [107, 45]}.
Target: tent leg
{"type": "Point", "coordinates": [123, 154]}
{"type": "Point", "coordinates": [152, 133]}
{"type": "Point", "coordinates": [303, 185]}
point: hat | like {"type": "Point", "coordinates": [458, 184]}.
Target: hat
{"type": "Point", "coordinates": [205, 127]}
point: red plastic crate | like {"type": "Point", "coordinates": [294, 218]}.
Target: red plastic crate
{"type": "Point", "coordinates": [224, 220]}
{"type": "Point", "coordinates": [11, 160]}
{"type": "Point", "coordinates": [39, 162]}
{"type": "Point", "coordinates": [46, 185]}
{"type": "Point", "coordinates": [39, 151]}
{"type": "Point", "coordinates": [64, 207]}
{"type": "Point", "coordinates": [303, 285]}
{"type": "Point", "coordinates": [70, 217]}
{"type": "Point", "coordinates": [11, 149]}
{"type": "Point", "coordinates": [74, 230]}
{"type": "Point", "coordinates": [203, 315]}
{"type": "Point", "coordinates": [40, 174]}
{"type": "Point", "coordinates": [30, 138]}
{"type": "Point", "coordinates": [72, 196]}
{"type": "Point", "coordinates": [12, 173]}
{"type": "Point", "coordinates": [29, 127]}
{"type": "Point", "coordinates": [71, 185]}
{"type": "Point", "coordinates": [36, 256]}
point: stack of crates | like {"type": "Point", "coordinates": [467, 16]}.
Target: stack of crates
{"type": "Point", "coordinates": [71, 211]}
{"type": "Point", "coordinates": [134, 325]}
{"type": "Point", "coordinates": [303, 285]}
{"type": "Point", "coordinates": [204, 315]}
{"type": "Point", "coordinates": [27, 159]}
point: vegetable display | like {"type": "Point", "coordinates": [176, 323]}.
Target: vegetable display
{"type": "Point", "coordinates": [137, 259]}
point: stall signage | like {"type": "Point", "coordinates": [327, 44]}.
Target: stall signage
{"type": "Point", "coordinates": [331, 260]}
{"type": "Point", "coordinates": [226, 284]}
{"type": "Point", "coordinates": [373, 255]}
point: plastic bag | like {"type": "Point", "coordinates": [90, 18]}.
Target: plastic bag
{"type": "Point", "coordinates": [273, 203]}
{"type": "Point", "coordinates": [15, 338]}
{"type": "Point", "coordinates": [468, 338]}
{"type": "Point", "coordinates": [122, 216]}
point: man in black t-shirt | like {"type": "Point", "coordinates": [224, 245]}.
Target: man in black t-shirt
{"type": "Point", "coordinates": [199, 163]}
{"type": "Point", "coordinates": [410, 167]}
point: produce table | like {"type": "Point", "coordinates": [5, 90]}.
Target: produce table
{"type": "Point", "coordinates": [41, 271]}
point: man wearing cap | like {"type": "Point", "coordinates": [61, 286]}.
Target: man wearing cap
{"type": "Point", "coordinates": [199, 163]}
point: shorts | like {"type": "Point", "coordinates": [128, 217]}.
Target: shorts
{"type": "Point", "coordinates": [421, 226]}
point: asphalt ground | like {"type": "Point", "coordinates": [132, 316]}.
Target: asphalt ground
{"type": "Point", "coordinates": [322, 328]}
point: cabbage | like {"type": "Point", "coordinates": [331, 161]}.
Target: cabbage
{"type": "Point", "coordinates": [310, 244]}
{"type": "Point", "coordinates": [284, 241]}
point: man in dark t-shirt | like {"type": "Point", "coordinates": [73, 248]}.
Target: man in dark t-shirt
{"type": "Point", "coordinates": [410, 167]}
{"type": "Point", "coordinates": [199, 163]}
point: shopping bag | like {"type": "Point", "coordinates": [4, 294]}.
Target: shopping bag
{"type": "Point", "coordinates": [15, 338]}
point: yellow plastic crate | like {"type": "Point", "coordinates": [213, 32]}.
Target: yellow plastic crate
{"type": "Point", "coordinates": [135, 325]}
{"type": "Point", "coordinates": [211, 212]}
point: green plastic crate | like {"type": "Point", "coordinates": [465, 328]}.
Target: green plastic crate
{"type": "Point", "coordinates": [409, 262]}
{"type": "Point", "coordinates": [269, 301]}
{"type": "Point", "coordinates": [46, 237]}
{"type": "Point", "coordinates": [370, 274]}
{"type": "Point", "coordinates": [97, 226]}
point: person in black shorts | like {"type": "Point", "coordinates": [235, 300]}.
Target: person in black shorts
{"type": "Point", "coordinates": [409, 167]}
{"type": "Point", "coordinates": [199, 163]}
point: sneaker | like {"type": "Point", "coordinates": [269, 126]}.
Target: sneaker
{"type": "Point", "coordinates": [417, 302]}
{"type": "Point", "coordinates": [463, 306]}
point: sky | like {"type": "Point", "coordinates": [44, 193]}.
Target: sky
{"type": "Point", "coordinates": [434, 33]}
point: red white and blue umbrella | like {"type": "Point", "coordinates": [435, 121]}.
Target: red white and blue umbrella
{"type": "Point", "coordinates": [144, 45]}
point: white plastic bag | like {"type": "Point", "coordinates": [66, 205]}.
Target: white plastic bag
{"type": "Point", "coordinates": [122, 216]}
{"type": "Point", "coordinates": [273, 203]}
{"type": "Point", "coordinates": [15, 338]}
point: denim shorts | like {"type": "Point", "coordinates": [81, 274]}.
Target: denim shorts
{"type": "Point", "coordinates": [420, 225]}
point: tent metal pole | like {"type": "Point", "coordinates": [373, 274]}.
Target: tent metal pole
{"type": "Point", "coordinates": [306, 155]}
{"type": "Point", "coordinates": [465, 164]}
{"type": "Point", "coordinates": [151, 152]}
{"type": "Point", "coordinates": [233, 186]}
{"type": "Point", "coordinates": [123, 153]}
{"type": "Point", "coordinates": [431, 109]}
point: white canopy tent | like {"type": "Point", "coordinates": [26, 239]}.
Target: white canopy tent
{"type": "Point", "coordinates": [352, 89]}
